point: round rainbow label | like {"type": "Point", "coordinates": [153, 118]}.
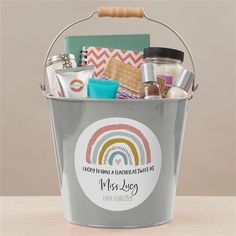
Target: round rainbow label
{"type": "Point", "coordinates": [117, 163]}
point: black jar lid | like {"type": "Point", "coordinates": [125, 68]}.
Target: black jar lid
{"type": "Point", "coordinates": [164, 53]}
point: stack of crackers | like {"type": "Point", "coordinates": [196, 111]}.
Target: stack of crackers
{"type": "Point", "coordinates": [128, 76]}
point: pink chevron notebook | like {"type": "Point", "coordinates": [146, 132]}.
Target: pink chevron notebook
{"type": "Point", "coordinates": [97, 57]}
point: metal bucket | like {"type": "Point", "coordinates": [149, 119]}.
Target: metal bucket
{"type": "Point", "coordinates": [118, 160]}
{"type": "Point", "coordinates": [165, 119]}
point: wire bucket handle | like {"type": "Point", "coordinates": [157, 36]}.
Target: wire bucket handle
{"type": "Point", "coordinates": [120, 12]}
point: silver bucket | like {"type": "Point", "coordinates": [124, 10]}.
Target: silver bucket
{"type": "Point", "coordinates": [70, 118]}
{"type": "Point", "coordinates": [118, 160]}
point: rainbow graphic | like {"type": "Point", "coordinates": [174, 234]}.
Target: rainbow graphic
{"type": "Point", "coordinates": [118, 142]}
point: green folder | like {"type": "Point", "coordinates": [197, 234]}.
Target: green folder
{"type": "Point", "coordinates": [135, 42]}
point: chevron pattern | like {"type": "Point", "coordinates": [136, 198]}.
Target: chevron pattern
{"type": "Point", "coordinates": [98, 56]}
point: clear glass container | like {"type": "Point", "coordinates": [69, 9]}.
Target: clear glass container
{"type": "Point", "coordinates": [168, 69]}
{"type": "Point", "coordinates": [61, 61]}
{"type": "Point", "coordinates": [168, 60]}
{"type": "Point", "coordinates": [150, 90]}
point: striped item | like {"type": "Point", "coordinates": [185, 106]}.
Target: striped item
{"type": "Point", "coordinates": [125, 95]}
{"type": "Point", "coordinates": [98, 57]}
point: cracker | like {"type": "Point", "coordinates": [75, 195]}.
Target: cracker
{"type": "Point", "coordinates": [128, 76]}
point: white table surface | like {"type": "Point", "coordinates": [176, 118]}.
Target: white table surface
{"type": "Point", "coordinates": [202, 216]}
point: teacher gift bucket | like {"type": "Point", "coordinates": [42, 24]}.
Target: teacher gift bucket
{"type": "Point", "coordinates": [118, 160]}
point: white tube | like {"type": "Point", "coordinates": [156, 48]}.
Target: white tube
{"type": "Point", "coordinates": [74, 81]}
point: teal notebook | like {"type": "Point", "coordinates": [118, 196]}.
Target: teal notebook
{"type": "Point", "coordinates": [136, 42]}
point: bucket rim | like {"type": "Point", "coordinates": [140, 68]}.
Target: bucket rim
{"type": "Point", "coordinates": [50, 97]}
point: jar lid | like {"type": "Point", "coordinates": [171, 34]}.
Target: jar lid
{"type": "Point", "coordinates": [185, 80]}
{"type": "Point", "coordinates": [164, 53]}
{"type": "Point", "coordinates": [59, 57]}
{"type": "Point", "coordinates": [149, 72]}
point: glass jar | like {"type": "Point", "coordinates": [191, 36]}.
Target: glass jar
{"type": "Point", "coordinates": [149, 88]}
{"type": "Point", "coordinates": [169, 62]}
{"type": "Point", "coordinates": [61, 61]}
